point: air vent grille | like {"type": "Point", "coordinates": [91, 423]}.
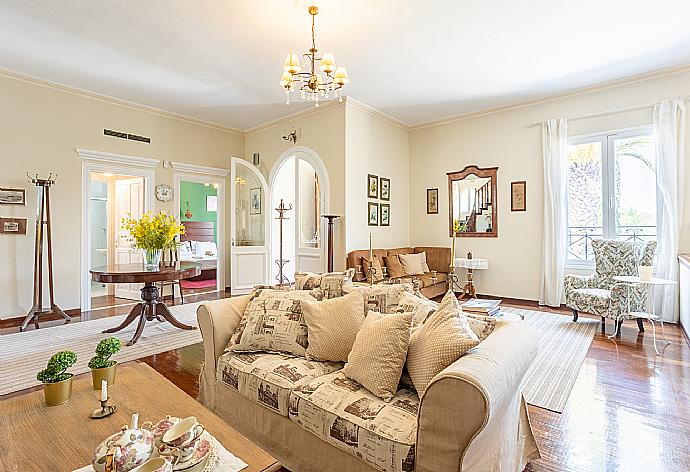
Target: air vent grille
{"type": "Point", "coordinates": [121, 135]}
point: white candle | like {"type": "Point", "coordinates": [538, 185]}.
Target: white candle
{"type": "Point", "coordinates": [104, 390]}
{"type": "Point", "coordinates": [452, 251]}
{"type": "Point", "coordinates": [371, 250]}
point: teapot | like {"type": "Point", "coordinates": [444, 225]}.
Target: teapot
{"type": "Point", "coordinates": [125, 450]}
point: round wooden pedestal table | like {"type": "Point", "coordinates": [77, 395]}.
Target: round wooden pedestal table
{"type": "Point", "coordinates": [149, 308]}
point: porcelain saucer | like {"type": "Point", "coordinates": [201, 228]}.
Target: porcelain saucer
{"type": "Point", "coordinates": [203, 458]}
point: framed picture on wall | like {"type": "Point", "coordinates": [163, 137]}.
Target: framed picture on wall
{"type": "Point", "coordinates": [12, 196]}
{"type": "Point", "coordinates": [518, 196]}
{"type": "Point", "coordinates": [211, 203]}
{"type": "Point", "coordinates": [431, 201]}
{"type": "Point", "coordinates": [373, 214]}
{"type": "Point", "coordinates": [372, 186]}
{"type": "Point", "coordinates": [255, 201]}
{"type": "Point", "coordinates": [13, 225]}
{"type": "Point", "coordinates": [385, 214]}
{"type": "Point", "coordinates": [385, 188]}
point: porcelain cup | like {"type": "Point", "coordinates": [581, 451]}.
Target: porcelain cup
{"type": "Point", "coordinates": [183, 436]}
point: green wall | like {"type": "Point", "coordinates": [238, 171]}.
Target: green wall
{"type": "Point", "coordinates": [195, 193]}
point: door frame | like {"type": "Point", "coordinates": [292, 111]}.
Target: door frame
{"type": "Point", "coordinates": [267, 222]}
{"type": "Point", "coordinates": [210, 175]}
{"type": "Point", "coordinates": [317, 163]}
{"type": "Point", "coordinates": [98, 161]}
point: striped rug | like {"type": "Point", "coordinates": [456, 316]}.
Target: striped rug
{"type": "Point", "coordinates": [22, 355]}
{"type": "Point", "coordinates": [563, 346]}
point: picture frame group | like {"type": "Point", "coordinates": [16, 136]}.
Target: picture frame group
{"type": "Point", "coordinates": [378, 214]}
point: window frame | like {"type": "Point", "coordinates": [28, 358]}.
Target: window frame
{"type": "Point", "coordinates": [608, 184]}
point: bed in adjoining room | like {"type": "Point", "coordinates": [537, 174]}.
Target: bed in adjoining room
{"type": "Point", "coordinates": [198, 245]}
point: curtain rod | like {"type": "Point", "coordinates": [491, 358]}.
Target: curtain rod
{"type": "Point", "coordinates": [606, 112]}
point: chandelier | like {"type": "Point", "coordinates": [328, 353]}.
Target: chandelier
{"type": "Point", "coordinates": [312, 84]}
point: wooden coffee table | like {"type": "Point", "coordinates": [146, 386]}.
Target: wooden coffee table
{"type": "Point", "coordinates": [150, 307]}
{"type": "Point", "coordinates": [63, 438]}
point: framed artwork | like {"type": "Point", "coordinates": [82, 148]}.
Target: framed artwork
{"type": "Point", "coordinates": [211, 203]}
{"type": "Point", "coordinates": [12, 196]}
{"type": "Point", "coordinates": [431, 201]}
{"type": "Point", "coordinates": [12, 225]}
{"type": "Point", "coordinates": [385, 214]}
{"type": "Point", "coordinates": [373, 214]}
{"type": "Point", "coordinates": [518, 196]}
{"type": "Point", "coordinates": [255, 201]}
{"type": "Point", "coordinates": [385, 188]}
{"type": "Point", "coordinates": [372, 186]}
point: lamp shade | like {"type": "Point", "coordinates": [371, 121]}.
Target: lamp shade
{"type": "Point", "coordinates": [327, 63]}
{"type": "Point", "coordinates": [292, 63]}
{"type": "Point", "coordinates": [286, 79]}
{"type": "Point", "coordinates": [340, 77]}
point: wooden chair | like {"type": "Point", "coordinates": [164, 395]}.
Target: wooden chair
{"type": "Point", "coordinates": [170, 255]}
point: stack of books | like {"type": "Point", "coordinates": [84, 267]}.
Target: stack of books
{"type": "Point", "coordinates": [482, 307]}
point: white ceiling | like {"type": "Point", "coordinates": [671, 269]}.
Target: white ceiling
{"type": "Point", "coordinates": [418, 61]}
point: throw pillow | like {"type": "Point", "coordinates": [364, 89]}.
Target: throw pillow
{"type": "Point", "coordinates": [378, 270]}
{"type": "Point", "coordinates": [383, 298]}
{"type": "Point", "coordinates": [481, 325]}
{"type": "Point", "coordinates": [395, 268]}
{"type": "Point", "coordinates": [420, 308]}
{"type": "Point", "coordinates": [378, 354]}
{"type": "Point", "coordinates": [333, 326]}
{"type": "Point", "coordinates": [425, 266]}
{"type": "Point", "coordinates": [412, 264]}
{"type": "Point", "coordinates": [273, 321]}
{"type": "Point", "coordinates": [440, 341]}
{"type": "Point", "coordinates": [332, 284]}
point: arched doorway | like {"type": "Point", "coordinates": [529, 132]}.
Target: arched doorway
{"type": "Point", "coordinates": [300, 179]}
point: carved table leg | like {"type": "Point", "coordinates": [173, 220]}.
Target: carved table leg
{"type": "Point", "coordinates": [163, 311]}
{"type": "Point", "coordinates": [137, 311]}
{"type": "Point", "coordinates": [140, 327]}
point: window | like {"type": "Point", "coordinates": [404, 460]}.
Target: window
{"type": "Point", "coordinates": [611, 190]}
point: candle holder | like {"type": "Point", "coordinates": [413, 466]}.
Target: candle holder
{"type": "Point", "coordinates": [370, 276]}
{"type": "Point", "coordinates": [105, 410]}
{"type": "Point", "coordinates": [453, 279]}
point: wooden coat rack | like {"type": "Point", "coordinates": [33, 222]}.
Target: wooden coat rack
{"type": "Point", "coordinates": [42, 220]}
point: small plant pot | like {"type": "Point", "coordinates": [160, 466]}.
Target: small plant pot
{"type": "Point", "coordinates": [106, 373]}
{"type": "Point", "coordinates": [58, 393]}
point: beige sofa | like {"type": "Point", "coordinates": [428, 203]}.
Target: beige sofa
{"type": "Point", "coordinates": [431, 285]}
{"type": "Point", "coordinates": [471, 418]}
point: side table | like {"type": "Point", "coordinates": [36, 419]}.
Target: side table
{"type": "Point", "coordinates": [471, 265]}
{"type": "Point", "coordinates": [631, 281]}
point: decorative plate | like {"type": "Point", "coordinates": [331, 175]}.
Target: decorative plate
{"type": "Point", "coordinates": [164, 192]}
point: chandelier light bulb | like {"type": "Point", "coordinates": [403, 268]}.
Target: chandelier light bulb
{"type": "Point", "coordinates": [340, 77]}
{"type": "Point", "coordinates": [327, 63]}
{"type": "Point", "coordinates": [286, 79]}
{"type": "Point", "coordinates": [292, 63]}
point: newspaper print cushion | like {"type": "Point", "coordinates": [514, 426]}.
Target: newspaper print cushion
{"type": "Point", "coordinates": [333, 326]}
{"type": "Point", "coordinates": [378, 354]}
{"type": "Point", "coordinates": [268, 379]}
{"type": "Point", "coordinates": [420, 308]}
{"type": "Point", "coordinates": [481, 325]}
{"type": "Point", "coordinates": [345, 414]}
{"type": "Point", "coordinates": [441, 340]}
{"type": "Point", "coordinates": [273, 321]}
{"type": "Point", "coordinates": [383, 298]}
{"type": "Point", "coordinates": [330, 284]}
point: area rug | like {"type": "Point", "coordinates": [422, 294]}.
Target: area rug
{"type": "Point", "coordinates": [198, 283]}
{"type": "Point", "coordinates": [22, 355]}
{"type": "Point", "coordinates": [563, 346]}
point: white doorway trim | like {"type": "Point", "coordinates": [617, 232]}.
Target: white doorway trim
{"type": "Point", "coordinates": [314, 159]}
{"type": "Point", "coordinates": [97, 161]}
{"type": "Point", "coordinates": [209, 175]}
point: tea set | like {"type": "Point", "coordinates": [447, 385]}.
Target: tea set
{"type": "Point", "coordinates": [171, 445]}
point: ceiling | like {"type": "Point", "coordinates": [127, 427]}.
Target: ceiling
{"type": "Point", "coordinates": [418, 61]}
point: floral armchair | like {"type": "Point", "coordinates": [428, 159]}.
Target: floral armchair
{"type": "Point", "coordinates": [598, 293]}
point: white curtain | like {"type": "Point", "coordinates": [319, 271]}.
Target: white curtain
{"type": "Point", "coordinates": [554, 136]}
{"type": "Point", "coordinates": [669, 139]}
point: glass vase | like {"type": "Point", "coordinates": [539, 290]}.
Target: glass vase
{"type": "Point", "coordinates": [152, 259]}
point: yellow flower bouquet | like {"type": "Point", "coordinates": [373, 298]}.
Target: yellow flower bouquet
{"type": "Point", "coordinates": [152, 233]}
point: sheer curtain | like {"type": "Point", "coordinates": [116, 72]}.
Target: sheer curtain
{"type": "Point", "coordinates": [554, 137]}
{"type": "Point", "coordinates": [669, 139]}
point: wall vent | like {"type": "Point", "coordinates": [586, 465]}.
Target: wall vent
{"type": "Point", "coordinates": [121, 135]}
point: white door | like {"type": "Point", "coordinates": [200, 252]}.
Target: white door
{"type": "Point", "coordinates": [300, 186]}
{"type": "Point", "coordinates": [129, 197]}
{"type": "Point", "coordinates": [249, 220]}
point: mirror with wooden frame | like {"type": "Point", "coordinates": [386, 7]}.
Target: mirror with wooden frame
{"type": "Point", "coordinates": [472, 202]}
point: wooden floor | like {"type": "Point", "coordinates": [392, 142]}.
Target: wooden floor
{"type": "Point", "coordinates": [629, 409]}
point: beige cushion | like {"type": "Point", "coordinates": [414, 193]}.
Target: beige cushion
{"type": "Point", "coordinates": [413, 264]}
{"type": "Point", "coordinates": [441, 340]}
{"type": "Point", "coordinates": [395, 268]}
{"type": "Point", "coordinates": [425, 266]}
{"type": "Point", "coordinates": [330, 284]}
{"type": "Point", "coordinates": [272, 322]}
{"type": "Point", "coordinates": [333, 326]}
{"type": "Point", "coordinates": [378, 354]}
{"type": "Point", "coordinates": [383, 298]}
{"type": "Point", "coordinates": [378, 270]}
{"type": "Point", "coordinates": [269, 378]}
{"type": "Point", "coordinates": [419, 307]}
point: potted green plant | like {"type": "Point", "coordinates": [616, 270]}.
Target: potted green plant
{"type": "Point", "coordinates": [102, 367]}
{"type": "Point", "coordinates": [57, 382]}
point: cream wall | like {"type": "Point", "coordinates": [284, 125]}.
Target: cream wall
{"type": "Point", "coordinates": [380, 147]}
{"type": "Point", "coordinates": [41, 128]}
{"type": "Point", "coordinates": [323, 131]}
{"type": "Point", "coordinates": [503, 139]}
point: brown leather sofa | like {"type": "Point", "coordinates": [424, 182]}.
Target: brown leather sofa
{"type": "Point", "coordinates": [437, 258]}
